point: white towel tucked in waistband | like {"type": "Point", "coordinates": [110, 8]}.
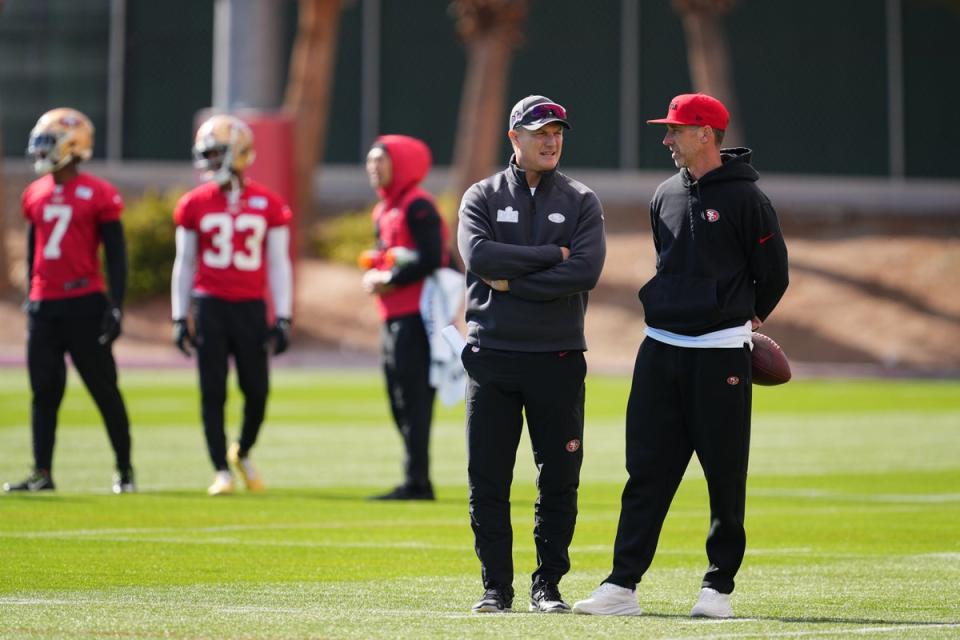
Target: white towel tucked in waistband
{"type": "Point", "coordinates": [732, 338]}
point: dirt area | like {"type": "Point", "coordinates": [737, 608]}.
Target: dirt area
{"type": "Point", "coordinates": [885, 303]}
{"type": "Point", "coordinates": [892, 302]}
{"type": "Point", "coordinates": [882, 302]}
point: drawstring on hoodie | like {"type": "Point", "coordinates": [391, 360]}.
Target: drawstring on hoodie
{"type": "Point", "coordinates": [690, 213]}
{"type": "Point", "coordinates": [693, 226]}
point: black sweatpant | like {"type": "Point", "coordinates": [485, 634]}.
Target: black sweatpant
{"type": "Point", "coordinates": [502, 386]}
{"type": "Point", "coordinates": [224, 328]}
{"type": "Point", "coordinates": [406, 367]}
{"type": "Point", "coordinates": [72, 326]}
{"type": "Point", "coordinates": [685, 400]}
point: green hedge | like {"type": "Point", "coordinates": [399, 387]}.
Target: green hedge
{"type": "Point", "coordinates": [151, 248]}
{"type": "Point", "coordinates": [343, 237]}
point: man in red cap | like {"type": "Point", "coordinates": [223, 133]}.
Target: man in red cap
{"type": "Point", "coordinates": [721, 270]}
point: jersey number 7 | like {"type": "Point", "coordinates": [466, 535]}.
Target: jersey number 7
{"type": "Point", "coordinates": [61, 214]}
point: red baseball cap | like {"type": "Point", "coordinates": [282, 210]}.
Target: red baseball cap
{"type": "Point", "coordinates": [697, 109]}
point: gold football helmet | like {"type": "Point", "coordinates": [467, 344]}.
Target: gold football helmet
{"type": "Point", "coordinates": [223, 147]}
{"type": "Point", "coordinates": [60, 136]}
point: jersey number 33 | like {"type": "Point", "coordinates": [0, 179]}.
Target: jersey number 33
{"type": "Point", "coordinates": [223, 229]}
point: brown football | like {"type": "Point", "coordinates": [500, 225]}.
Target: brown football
{"type": "Point", "coordinates": [770, 364]}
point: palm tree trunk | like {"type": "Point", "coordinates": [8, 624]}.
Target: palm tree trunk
{"type": "Point", "coordinates": [491, 30]}
{"type": "Point", "coordinates": [482, 113]}
{"type": "Point", "coordinates": [708, 56]}
{"type": "Point", "coordinates": [308, 94]}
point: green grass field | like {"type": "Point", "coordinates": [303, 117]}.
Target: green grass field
{"type": "Point", "coordinates": [853, 522]}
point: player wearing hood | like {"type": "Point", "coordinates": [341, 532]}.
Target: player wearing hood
{"type": "Point", "coordinates": [411, 241]}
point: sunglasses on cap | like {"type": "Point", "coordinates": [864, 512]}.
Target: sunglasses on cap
{"type": "Point", "coordinates": [540, 111]}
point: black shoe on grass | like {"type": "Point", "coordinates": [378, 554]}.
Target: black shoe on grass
{"type": "Point", "coordinates": [38, 480]}
{"type": "Point", "coordinates": [123, 481]}
{"type": "Point", "coordinates": [407, 492]}
{"type": "Point", "coordinates": [546, 598]}
{"type": "Point", "coordinates": [495, 600]}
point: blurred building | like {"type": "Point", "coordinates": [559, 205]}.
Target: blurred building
{"type": "Point", "coordinates": [859, 87]}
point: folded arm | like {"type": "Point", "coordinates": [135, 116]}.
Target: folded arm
{"type": "Point", "coordinates": [492, 260]}
{"type": "Point", "coordinates": [580, 271]}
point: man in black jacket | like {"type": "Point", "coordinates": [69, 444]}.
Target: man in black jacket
{"type": "Point", "coordinates": [533, 244]}
{"type": "Point", "coordinates": [721, 269]}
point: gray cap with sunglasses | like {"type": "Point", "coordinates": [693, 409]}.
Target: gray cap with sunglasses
{"type": "Point", "coordinates": [533, 112]}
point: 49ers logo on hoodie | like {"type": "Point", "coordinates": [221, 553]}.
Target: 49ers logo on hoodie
{"type": "Point", "coordinates": [711, 215]}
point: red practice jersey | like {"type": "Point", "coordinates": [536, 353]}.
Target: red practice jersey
{"type": "Point", "coordinates": [231, 240]}
{"type": "Point", "coordinates": [66, 220]}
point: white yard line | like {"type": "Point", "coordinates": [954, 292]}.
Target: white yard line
{"type": "Point", "coordinates": [898, 498]}
{"type": "Point", "coordinates": [359, 524]}
{"type": "Point", "coordinates": [838, 631]}
{"type": "Point", "coordinates": [310, 612]}
{"type": "Point", "coordinates": [280, 543]}
{"type": "Point", "coordinates": [173, 535]}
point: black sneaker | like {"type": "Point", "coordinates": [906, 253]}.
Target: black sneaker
{"type": "Point", "coordinates": [123, 481]}
{"type": "Point", "coordinates": [495, 600]}
{"type": "Point", "coordinates": [38, 480]}
{"type": "Point", "coordinates": [407, 492]}
{"type": "Point", "coordinates": [546, 598]}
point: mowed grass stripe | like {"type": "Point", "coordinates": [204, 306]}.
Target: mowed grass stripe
{"type": "Point", "coordinates": [303, 609]}
{"type": "Point", "coordinates": [852, 522]}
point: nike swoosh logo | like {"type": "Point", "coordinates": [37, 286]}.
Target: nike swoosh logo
{"type": "Point", "coordinates": [766, 237]}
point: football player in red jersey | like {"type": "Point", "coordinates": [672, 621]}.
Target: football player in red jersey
{"type": "Point", "coordinates": [69, 214]}
{"type": "Point", "coordinates": [232, 241]}
{"type": "Point", "coordinates": [411, 245]}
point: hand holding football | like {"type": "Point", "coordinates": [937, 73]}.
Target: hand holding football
{"type": "Point", "coordinates": [770, 364]}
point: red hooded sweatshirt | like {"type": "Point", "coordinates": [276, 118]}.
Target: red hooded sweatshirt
{"type": "Point", "coordinates": [410, 159]}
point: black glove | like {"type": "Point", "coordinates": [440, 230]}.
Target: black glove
{"type": "Point", "coordinates": [182, 337]}
{"type": "Point", "coordinates": [110, 328]}
{"type": "Point", "coordinates": [280, 335]}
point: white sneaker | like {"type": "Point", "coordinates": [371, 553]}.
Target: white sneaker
{"type": "Point", "coordinates": [712, 604]}
{"type": "Point", "coordinates": [609, 600]}
{"type": "Point", "coordinates": [222, 484]}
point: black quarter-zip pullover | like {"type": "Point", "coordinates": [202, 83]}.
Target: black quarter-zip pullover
{"type": "Point", "coordinates": [505, 233]}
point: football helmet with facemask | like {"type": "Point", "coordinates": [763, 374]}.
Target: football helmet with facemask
{"type": "Point", "coordinates": [61, 136]}
{"type": "Point", "coordinates": [223, 147]}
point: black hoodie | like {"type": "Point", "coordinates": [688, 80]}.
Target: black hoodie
{"type": "Point", "coordinates": [721, 258]}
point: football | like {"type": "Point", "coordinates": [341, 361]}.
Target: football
{"type": "Point", "coordinates": [770, 364]}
